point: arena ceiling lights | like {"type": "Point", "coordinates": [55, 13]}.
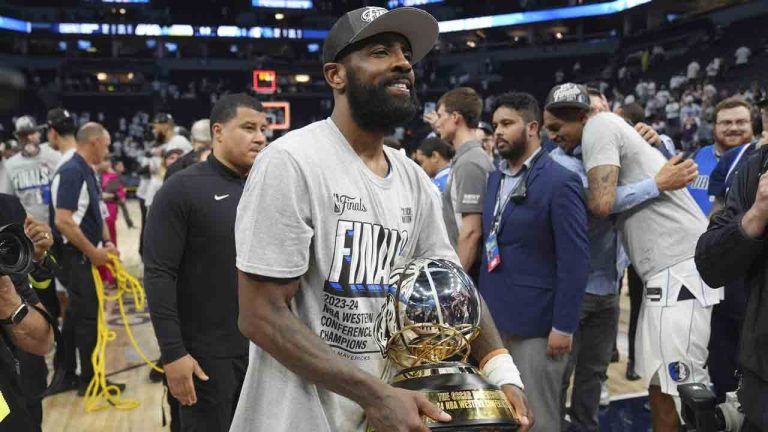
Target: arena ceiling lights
{"type": "Point", "coordinates": [391, 4]}
{"type": "Point", "coordinates": [282, 4]}
{"type": "Point", "coordinates": [14, 24]}
{"type": "Point", "coordinates": [179, 30]}
{"type": "Point", "coordinates": [182, 30]}
{"type": "Point", "coordinates": [520, 18]}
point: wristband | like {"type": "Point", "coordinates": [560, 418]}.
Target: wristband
{"type": "Point", "coordinates": [501, 370]}
{"type": "Point", "coordinates": [491, 355]}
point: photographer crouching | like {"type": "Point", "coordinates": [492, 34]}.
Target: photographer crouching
{"type": "Point", "coordinates": [26, 332]}
{"type": "Point", "coordinates": [734, 246]}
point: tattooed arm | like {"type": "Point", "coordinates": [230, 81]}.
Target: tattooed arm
{"type": "Point", "coordinates": [602, 189]}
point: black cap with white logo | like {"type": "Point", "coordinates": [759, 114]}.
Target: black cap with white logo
{"type": "Point", "coordinates": [417, 26]}
{"type": "Point", "coordinates": [162, 117]}
{"type": "Point", "coordinates": [59, 118]}
{"type": "Point", "coordinates": [568, 95]}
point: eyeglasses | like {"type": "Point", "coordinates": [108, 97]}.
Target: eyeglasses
{"type": "Point", "coordinates": [730, 123]}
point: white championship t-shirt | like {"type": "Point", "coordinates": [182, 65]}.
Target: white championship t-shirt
{"type": "Point", "coordinates": [312, 209]}
{"type": "Point", "coordinates": [658, 233]}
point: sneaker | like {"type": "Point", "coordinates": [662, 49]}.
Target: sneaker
{"type": "Point", "coordinates": [631, 375]}
{"type": "Point", "coordinates": [84, 386]}
{"type": "Point", "coordinates": [70, 382]}
{"type": "Point", "coordinates": [605, 395]}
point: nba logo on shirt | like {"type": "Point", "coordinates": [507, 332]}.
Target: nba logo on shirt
{"type": "Point", "coordinates": [343, 203]}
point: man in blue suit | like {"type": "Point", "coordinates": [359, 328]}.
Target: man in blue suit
{"type": "Point", "coordinates": [536, 259]}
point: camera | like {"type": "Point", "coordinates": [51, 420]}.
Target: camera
{"type": "Point", "coordinates": [701, 413]}
{"type": "Point", "coordinates": [16, 250]}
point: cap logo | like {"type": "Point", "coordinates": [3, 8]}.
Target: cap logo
{"type": "Point", "coordinates": [371, 13]}
{"type": "Point", "coordinates": [566, 92]}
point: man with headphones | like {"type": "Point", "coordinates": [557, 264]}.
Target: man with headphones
{"type": "Point", "coordinates": [536, 260]}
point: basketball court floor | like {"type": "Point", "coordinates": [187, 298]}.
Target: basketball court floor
{"type": "Point", "coordinates": [66, 412]}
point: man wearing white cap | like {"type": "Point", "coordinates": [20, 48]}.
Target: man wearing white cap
{"type": "Point", "coordinates": [201, 148]}
{"type": "Point", "coordinates": [31, 170]}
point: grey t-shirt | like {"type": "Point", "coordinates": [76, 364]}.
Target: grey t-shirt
{"type": "Point", "coordinates": [30, 179]}
{"type": "Point", "coordinates": [5, 181]}
{"type": "Point", "coordinates": [312, 209]}
{"type": "Point", "coordinates": [465, 189]}
{"type": "Point", "coordinates": [658, 233]}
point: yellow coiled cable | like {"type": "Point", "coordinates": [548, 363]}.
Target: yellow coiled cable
{"type": "Point", "coordinates": [98, 388]}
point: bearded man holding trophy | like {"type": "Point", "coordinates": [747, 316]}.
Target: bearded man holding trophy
{"type": "Point", "coordinates": [327, 213]}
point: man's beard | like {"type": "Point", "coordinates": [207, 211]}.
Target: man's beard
{"type": "Point", "coordinates": [515, 148]}
{"type": "Point", "coordinates": [160, 137]}
{"type": "Point", "coordinates": [374, 109]}
{"type": "Point", "coordinates": [731, 141]}
{"type": "Point", "coordinates": [31, 150]}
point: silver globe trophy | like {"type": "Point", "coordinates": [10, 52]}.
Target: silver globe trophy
{"type": "Point", "coordinates": [425, 329]}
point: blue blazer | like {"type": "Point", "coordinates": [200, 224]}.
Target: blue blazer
{"type": "Point", "coordinates": [544, 248]}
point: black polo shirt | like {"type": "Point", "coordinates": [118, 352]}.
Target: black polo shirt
{"type": "Point", "coordinates": [76, 188]}
{"type": "Point", "coordinates": [189, 263]}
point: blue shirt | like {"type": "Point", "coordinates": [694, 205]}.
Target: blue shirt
{"type": "Point", "coordinates": [441, 178]}
{"type": "Point", "coordinates": [76, 188]}
{"type": "Point", "coordinates": [607, 257]}
{"type": "Point", "coordinates": [706, 159]}
{"type": "Point", "coordinates": [510, 180]}
{"type": "Point", "coordinates": [722, 176]}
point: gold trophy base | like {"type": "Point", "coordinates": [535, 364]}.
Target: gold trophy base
{"type": "Point", "coordinates": [463, 392]}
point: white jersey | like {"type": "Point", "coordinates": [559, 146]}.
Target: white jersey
{"type": "Point", "coordinates": [673, 336]}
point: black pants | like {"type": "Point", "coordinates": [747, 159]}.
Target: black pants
{"type": "Point", "coordinates": [82, 311]}
{"type": "Point", "coordinates": [70, 346]}
{"type": "Point", "coordinates": [143, 208]}
{"type": "Point", "coordinates": [723, 346]}
{"type": "Point", "coordinates": [33, 380]}
{"type": "Point", "coordinates": [19, 419]}
{"type": "Point", "coordinates": [753, 396]}
{"type": "Point", "coordinates": [590, 357]}
{"type": "Point", "coordinates": [49, 299]}
{"type": "Point", "coordinates": [217, 397]}
{"type": "Point", "coordinates": [635, 301]}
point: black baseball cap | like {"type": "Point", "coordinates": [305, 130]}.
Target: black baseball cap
{"type": "Point", "coordinates": [417, 26]}
{"type": "Point", "coordinates": [61, 120]}
{"type": "Point", "coordinates": [163, 118]}
{"type": "Point", "coordinates": [486, 127]}
{"type": "Point", "coordinates": [568, 95]}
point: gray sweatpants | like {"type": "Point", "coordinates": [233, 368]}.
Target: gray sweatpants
{"type": "Point", "coordinates": [542, 377]}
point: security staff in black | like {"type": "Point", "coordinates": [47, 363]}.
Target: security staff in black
{"type": "Point", "coordinates": [79, 225]}
{"type": "Point", "coordinates": [189, 269]}
{"type": "Point", "coordinates": [733, 247]}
